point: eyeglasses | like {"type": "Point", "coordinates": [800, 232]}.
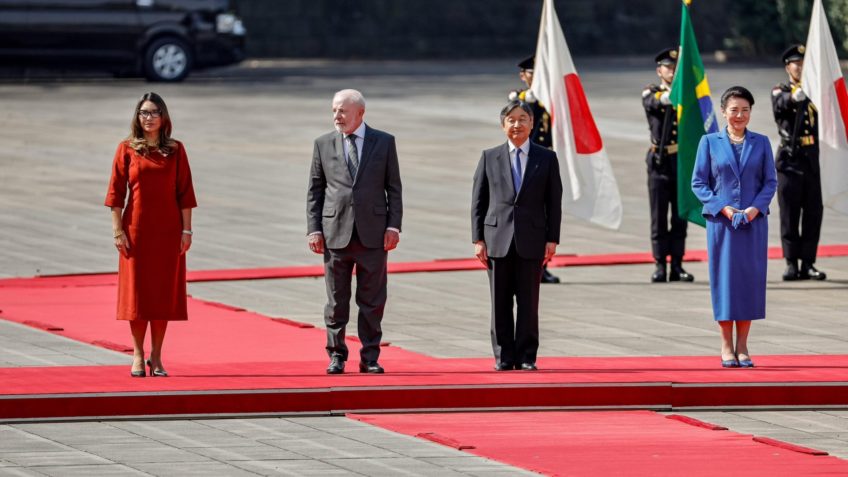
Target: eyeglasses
{"type": "Point", "coordinates": [523, 120]}
{"type": "Point", "coordinates": [155, 113]}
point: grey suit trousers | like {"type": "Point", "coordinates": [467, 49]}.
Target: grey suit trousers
{"type": "Point", "coordinates": [370, 267]}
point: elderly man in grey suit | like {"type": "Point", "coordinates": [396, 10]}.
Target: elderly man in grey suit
{"type": "Point", "coordinates": [515, 221]}
{"type": "Point", "coordinates": [354, 211]}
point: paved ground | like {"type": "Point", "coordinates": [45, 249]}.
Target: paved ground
{"type": "Point", "coordinates": [243, 447]}
{"type": "Point", "coordinates": [249, 136]}
{"type": "Point", "coordinates": [825, 430]}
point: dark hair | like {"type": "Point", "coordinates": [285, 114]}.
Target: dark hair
{"type": "Point", "coordinates": [516, 104]}
{"type": "Point", "coordinates": [136, 138]}
{"type": "Point", "coordinates": [737, 92]}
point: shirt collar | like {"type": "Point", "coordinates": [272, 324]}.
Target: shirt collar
{"type": "Point", "coordinates": [525, 148]}
{"type": "Point", "coordinates": [360, 131]}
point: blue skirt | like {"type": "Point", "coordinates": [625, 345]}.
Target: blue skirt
{"type": "Point", "coordinates": [738, 259]}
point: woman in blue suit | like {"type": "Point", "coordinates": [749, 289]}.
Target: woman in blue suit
{"type": "Point", "coordinates": [735, 179]}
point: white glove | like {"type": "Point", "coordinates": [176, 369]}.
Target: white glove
{"type": "Point", "coordinates": [798, 94]}
{"type": "Point", "coordinates": [529, 97]}
{"type": "Point", "coordinates": [513, 95]}
{"type": "Point", "coordinates": [664, 98]}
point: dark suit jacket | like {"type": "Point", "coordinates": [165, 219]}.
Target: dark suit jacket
{"type": "Point", "coordinates": [335, 202]}
{"type": "Point", "coordinates": [531, 218]}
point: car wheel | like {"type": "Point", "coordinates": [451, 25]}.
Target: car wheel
{"type": "Point", "coordinates": [167, 59]}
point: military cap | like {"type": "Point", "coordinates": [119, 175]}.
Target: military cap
{"type": "Point", "coordinates": [793, 53]}
{"type": "Point", "coordinates": [527, 63]}
{"type": "Point", "coordinates": [667, 56]}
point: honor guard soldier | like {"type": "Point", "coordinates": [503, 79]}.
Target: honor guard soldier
{"type": "Point", "coordinates": [662, 174]}
{"type": "Point", "coordinates": [541, 134]}
{"type": "Point", "coordinates": [798, 174]}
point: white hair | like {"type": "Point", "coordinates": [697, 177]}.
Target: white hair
{"type": "Point", "coordinates": [351, 95]}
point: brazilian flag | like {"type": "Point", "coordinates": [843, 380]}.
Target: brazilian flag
{"type": "Point", "coordinates": [690, 95]}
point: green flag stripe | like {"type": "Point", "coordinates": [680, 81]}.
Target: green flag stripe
{"type": "Point", "coordinates": [689, 80]}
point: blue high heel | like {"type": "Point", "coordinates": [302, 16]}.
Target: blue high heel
{"type": "Point", "coordinates": [745, 363]}
{"type": "Point", "coordinates": [729, 363]}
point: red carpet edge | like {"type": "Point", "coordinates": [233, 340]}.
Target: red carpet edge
{"type": "Point", "coordinates": [437, 265]}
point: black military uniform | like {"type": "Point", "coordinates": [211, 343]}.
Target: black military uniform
{"type": "Point", "coordinates": [662, 178]}
{"type": "Point", "coordinates": [798, 175]}
{"type": "Point", "coordinates": [540, 135]}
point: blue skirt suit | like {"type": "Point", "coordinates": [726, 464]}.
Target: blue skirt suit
{"type": "Point", "coordinates": [741, 177]}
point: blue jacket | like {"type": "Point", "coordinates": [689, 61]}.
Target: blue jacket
{"type": "Point", "coordinates": [718, 181]}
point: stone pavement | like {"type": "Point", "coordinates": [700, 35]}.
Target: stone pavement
{"type": "Point", "coordinates": [824, 430]}
{"type": "Point", "coordinates": [249, 132]}
{"type": "Point", "coordinates": [231, 447]}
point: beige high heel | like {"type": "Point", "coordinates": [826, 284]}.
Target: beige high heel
{"type": "Point", "coordinates": [156, 373]}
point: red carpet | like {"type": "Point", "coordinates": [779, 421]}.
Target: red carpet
{"type": "Point", "coordinates": [439, 265]}
{"type": "Point", "coordinates": [611, 443]}
{"type": "Point", "coordinates": [224, 360]}
{"type": "Point", "coordinates": [213, 334]}
{"type": "Point", "coordinates": [421, 384]}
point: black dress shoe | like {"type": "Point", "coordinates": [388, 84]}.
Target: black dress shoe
{"type": "Point", "coordinates": [504, 367]}
{"type": "Point", "coordinates": [659, 275]}
{"type": "Point", "coordinates": [809, 272]}
{"type": "Point", "coordinates": [548, 277]}
{"type": "Point", "coordinates": [372, 367]}
{"type": "Point", "coordinates": [529, 367]}
{"type": "Point", "coordinates": [336, 366]}
{"type": "Point", "coordinates": [791, 272]}
{"type": "Point", "coordinates": [678, 274]}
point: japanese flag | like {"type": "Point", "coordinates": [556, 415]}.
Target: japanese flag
{"type": "Point", "coordinates": [822, 81]}
{"type": "Point", "coordinates": [589, 188]}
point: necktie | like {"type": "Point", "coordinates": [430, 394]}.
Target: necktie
{"type": "Point", "coordinates": [516, 171]}
{"type": "Point", "coordinates": [352, 155]}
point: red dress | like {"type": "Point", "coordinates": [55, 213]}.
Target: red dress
{"type": "Point", "coordinates": [151, 279]}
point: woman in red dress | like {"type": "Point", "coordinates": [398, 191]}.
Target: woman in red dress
{"type": "Point", "coordinates": [151, 176]}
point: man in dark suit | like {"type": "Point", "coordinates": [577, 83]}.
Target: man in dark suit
{"type": "Point", "coordinates": [541, 133]}
{"type": "Point", "coordinates": [354, 211]}
{"type": "Point", "coordinates": [515, 220]}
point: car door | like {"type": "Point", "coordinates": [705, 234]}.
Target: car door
{"type": "Point", "coordinates": [85, 30]}
{"type": "Point", "coordinates": [13, 26]}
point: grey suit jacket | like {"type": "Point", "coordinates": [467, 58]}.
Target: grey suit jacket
{"type": "Point", "coordinates": [531, 217]}
{"type": "Point", "coordinates": [372, 201]}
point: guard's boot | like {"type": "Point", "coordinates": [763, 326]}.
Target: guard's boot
{"type": "Point", "coordinates": [791, 272]}
{"type": "Point", "coordinates": [659, 275]}
{"type": "Point", "coordinates": [677, 273]}
{"type": "Point", "coordinates": [809, 272]}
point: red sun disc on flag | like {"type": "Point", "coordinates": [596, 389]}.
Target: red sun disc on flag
{"type": "Point", "coordinates": [587, 139]}
{"type": "Point", "coordinates": [842, 99]}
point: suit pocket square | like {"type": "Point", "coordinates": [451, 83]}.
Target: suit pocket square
{"type": "Point", "coordinates": [329, 212]}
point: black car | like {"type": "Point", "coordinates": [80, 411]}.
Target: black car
{"type": "Point", "coordinates": [161, 39]}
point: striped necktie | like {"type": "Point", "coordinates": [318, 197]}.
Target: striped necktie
{"type": "Point", "coordinates": [352, 155]}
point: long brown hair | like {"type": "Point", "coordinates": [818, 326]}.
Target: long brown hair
{"type": "Point", "coordinates": [136, 139]}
